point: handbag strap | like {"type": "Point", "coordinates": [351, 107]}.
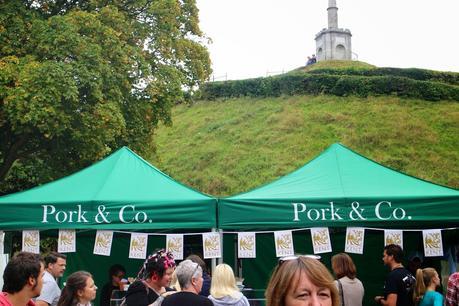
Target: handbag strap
{"type": "Point", "coordinates": [341, 293]}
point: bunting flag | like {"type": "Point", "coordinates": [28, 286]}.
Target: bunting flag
{"type": "Point", "coordinates": [211, 245]}
{"type": "Point", "coordinates": [66, 243]}
{"type": "Point", "coordinates": [321, 242]}
{"type": "Point", "coordinates": [393, 237]}
{"type": "Point", "coordinates": [354, 240]}
{"type": "Point", "coordinates": [433, 245]}
{"type": "Point", "coordinates": [31, 241]}
{"type": "Point", "coordinates": [174, 244]}
{"type": "Point", "coordinates": [138, 245]}
{"type": "Point", "coordinates": [284, 243]}
{"type": "Point", "coordinates": [246, 245]}
{"type": "Point", "coordinates": [103, 243]}
{"type": "Point", "coordinates": [2, 242]}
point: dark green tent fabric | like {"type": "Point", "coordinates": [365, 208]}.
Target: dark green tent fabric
{"type": "Point", "coordinates": [122, 191]}
{"type": "Point", "coordinates": [341, 188]}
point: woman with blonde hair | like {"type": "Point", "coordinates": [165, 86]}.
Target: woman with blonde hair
{"type": "Point", "coordinates": [301, 280]}
{"type": "Point", "coordinates": [350, 288]}
{"type": "Point", "coordinates": [427, 280]}
{"type": "Point", "coordinates": [223, 290]}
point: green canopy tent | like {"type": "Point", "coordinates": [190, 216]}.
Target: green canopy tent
{"type": "Point", "coordinates": [122, 192]}
{"type": "Point", "coordinates": [337, 189]}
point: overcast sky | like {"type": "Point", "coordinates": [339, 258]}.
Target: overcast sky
{"type": "Point", "coordinates": [253, 37]}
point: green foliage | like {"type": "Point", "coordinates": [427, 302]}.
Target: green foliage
{"type": "Point", "coordinates": [411, 73]}
{"type": "Point", "coordinates": [334, 84]}
{"type": "Point", "coordinates": [223, 148]}
{"type": "Point", "coordinates": [79, 79]}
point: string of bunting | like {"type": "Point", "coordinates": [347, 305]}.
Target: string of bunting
{"type": "Point", "coordinates": [212, 243]}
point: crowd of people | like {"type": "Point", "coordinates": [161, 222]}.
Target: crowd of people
{"type": "Point", "coordinates": [296, 280]}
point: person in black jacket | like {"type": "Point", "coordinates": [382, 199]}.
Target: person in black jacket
{"type": "Point", "coordinates": [205, 291]}
{"type": "Point", "coordinates": [153, 279]}
{"type": "Point", "coordinates": [189, 276]}
{"type": "Point", "coordinates": [116, 275]}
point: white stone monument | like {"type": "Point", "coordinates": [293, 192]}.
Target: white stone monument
{"type": "Point", "coordinates": [333, 43]}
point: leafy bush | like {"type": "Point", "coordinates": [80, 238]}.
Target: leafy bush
{"type": "Point", "coordinates": [412, 73]}
{"type": "Point", "coordinates": [339, 85]}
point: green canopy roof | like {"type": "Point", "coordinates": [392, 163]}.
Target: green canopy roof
{"type": "Point", "coordinates": [122, 191]}
{"type": "Point", "coordinates": [341, 188]}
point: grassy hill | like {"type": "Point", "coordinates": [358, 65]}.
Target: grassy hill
{"type": "Point", "coordinates": [229, 146]}
{"type": "Point", "coordinates": [251, 135]}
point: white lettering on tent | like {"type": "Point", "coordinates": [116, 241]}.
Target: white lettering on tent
{"type": "Point", "coordinates": [102, 214]}
{"type": "Point", "coordinates": [121, 215]}
{"type": "Point", "coordinates": [378, 215]}
{"type": "Point", "coordinates": [139, 217]}
{"type": "Point", "coordinates": [45, 212]}
{"type": "Point", "coordinates": [295, 210]}
{"type": "Point", "coordinates": [396, 213]}
{"type": "Point", "coordinates": [61, 216]}
{"type": "Point", "coordinates": [356, 212]}
{"type": "Point", "coordinates": [316, 214]}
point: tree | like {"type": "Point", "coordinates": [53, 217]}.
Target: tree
{"type": "Point", "coordinates": [79, 79]}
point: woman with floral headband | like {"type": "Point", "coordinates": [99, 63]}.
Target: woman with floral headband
{"type": "Point", "coordinates": [152, 280]}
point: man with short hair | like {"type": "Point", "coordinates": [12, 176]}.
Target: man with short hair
{"type": "Point", "coordinates": [22, 280]}
{"type": "Point", "coordinates": [399, 283]}
{"type": "Point", "coordinates": [452, 292]}
{"type": "Point", "coordinates": [55, 264]}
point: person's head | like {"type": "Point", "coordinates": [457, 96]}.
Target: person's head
{"type": "Point", "coordinates": [301, 281]}
{"type": "Point", "coordinates": [116, 273]}
{"type": "Point", "coordinates": [393, 254]}
{"type": "Point", "coordinates": [174, 282]}
{"type": "Point", "coordinates": [424, 278]}
{"type": "Point", "coordinates": [24, 271]}
{"type": "Point", "coordinates": [55, 264]}
{"type": "Point", "coordinates": [197, 259]}
{"type": "Point", "coordinates": [223, 282]}
{"type": "Point", "coordinates": [79, 288]}
{"type": "Point", "coordinates": [189, 276]}
{"type": "Point", "coordinates": [343, 265]}
{"type": "Point", "coordinates": [158, 269]}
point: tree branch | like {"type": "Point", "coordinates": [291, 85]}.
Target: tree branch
{"type": "Point", "coordinates": [11, 155]}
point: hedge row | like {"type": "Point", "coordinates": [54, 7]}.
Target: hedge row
{"type": "Point", "coordinates": [339, 85]}
{"type": "Point", "coordinates": [412, 73]}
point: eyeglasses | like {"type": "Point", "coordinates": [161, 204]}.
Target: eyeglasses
{"type": "Point", "coordinates": [295, 257]}
{"type": "Point", "coordinates": [195, 269]}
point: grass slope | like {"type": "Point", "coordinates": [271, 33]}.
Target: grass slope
{"type": "Point", "coordinates": [226, 147]}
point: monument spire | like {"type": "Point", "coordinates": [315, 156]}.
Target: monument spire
{"type": "Point", "coordinates": [332, 14]}
{"type": "Point", "coordinates": [333, 43]}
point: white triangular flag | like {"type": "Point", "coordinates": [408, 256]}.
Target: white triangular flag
{"type": "Point", "coordinates": [393, 237]}
{"type": "Point", "coordinates": [433, 245]}
{"type": "Point", "coordinates": [103, 243]}
{"type": "Point", "coordinates": [320, 237]}
{"type": "Point", "coordinates": [246, 245]}
{"type": "Point", "coordinates": [211, 245]}
{"type": "Point", "coordinates": [31, 241]}
{"type": "Point", "coordinates": [138, 246]}
{"type": "Point", "coordinates": [355, 237]}
{"type": "Point", "coordinates": [284, 243]}
{"type": "Point", "coordinates": [174, 244]}
{"type": "Point", "coordinates": [66, 243]}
